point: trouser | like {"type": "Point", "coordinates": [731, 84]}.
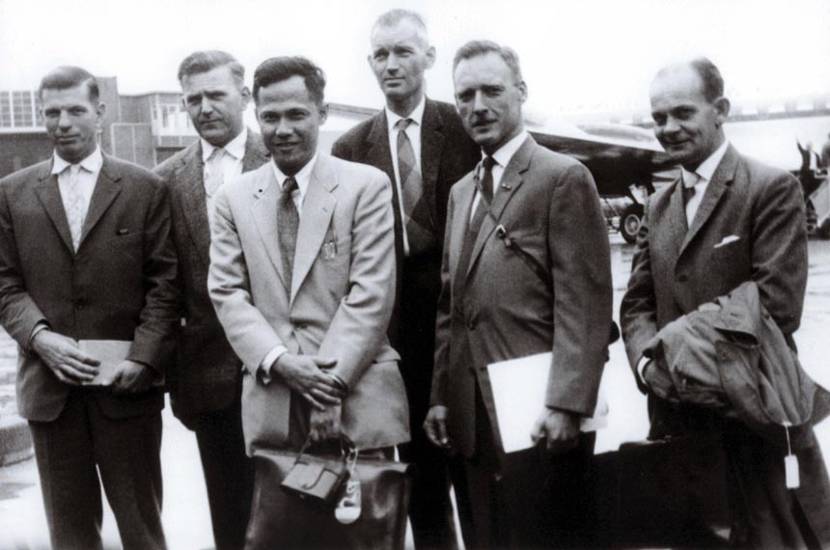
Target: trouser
{"type": "Point", "coordinates": [82, 444]}
{"type": "Point", "coordinates": [229, 474]}
{"type": "Point", "coordinates": [526, 499]}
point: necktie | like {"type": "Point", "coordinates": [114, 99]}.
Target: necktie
{"type": "Point", "coordinates": [416, 215]}
{"type": "Point", "coordinates": [214, 176]}
{"type": "Point", "coordinates": [690, 179]}
{"type": "Point", "coordinates": [288, 222]}
{"type": "Point", "coordinates": [76, 206]}
{"type": "Point", "coordinates": [485, 190]}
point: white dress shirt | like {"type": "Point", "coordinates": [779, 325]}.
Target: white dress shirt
{"type": "Point", "coordinates": [413, 132]}
{"type": "Point", "coordinates": [88, 171]}
{"type": "Point", "coordinates": [502, 157]}
{"type": "Point", "coordinates": [699, 179]}
{"type": "Point", "coordinates": [303, 178]}
{"type": "Point", "coordinates": [229, 163]}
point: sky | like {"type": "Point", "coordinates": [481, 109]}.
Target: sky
{"type": "Point", "coordinates": [577, 56]}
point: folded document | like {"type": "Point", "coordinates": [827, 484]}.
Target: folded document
{"type": "Point", "coordinates": [519, 387]}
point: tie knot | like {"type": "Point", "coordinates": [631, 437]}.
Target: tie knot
{"type": "Point", "coordinates": [403, 124]}
{"type": "Point", "coordinates": [488, 162]}
{"type": "Point", "coordinates": [217, 154]}
{"type": "Point", "coordinates": [289, 185]}
{"type": "Point", "coordinates": [690, 179]}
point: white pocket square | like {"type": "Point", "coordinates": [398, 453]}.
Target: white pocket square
{"type": "Point", "coordinates": [726, 240]}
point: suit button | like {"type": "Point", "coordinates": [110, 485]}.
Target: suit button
{"type": "Point", "coordinates": [682, 278]}
{"type": "Point", "coordinates": [79, 303]}
{"type": "Point", "coordinates": [471, 324]}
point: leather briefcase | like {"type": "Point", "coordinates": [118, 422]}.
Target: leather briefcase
{"type": "Point", "coordinates": [279, 519]}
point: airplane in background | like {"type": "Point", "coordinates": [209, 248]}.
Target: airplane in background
{"type": "Point", "coordinates": [627, 162]}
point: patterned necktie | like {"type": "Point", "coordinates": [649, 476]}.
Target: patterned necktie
{"type": "Point", "coordinates": [485, 190]}
{"type": "Point", "coordinates": [417, 218]}
{"type": "Point", "coordinates": [288, 222]}
{"type": "Point", "coordinates": [214, 175]}
{"type": "Point", "coordinates": [689, 192]}
{"type": "Point", "coordinates": [76, 206]}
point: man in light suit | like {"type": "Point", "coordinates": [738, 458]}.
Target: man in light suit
{"type": "Point", "coordinates": [728, 219]}
{"type": "Point", "coordinates": [86, 254]}
{"type": "Point", "coordinates": [443, 153]}
{"type": "Point", "coordinates": [526, 270]}
{"type": "Point", "coordinates": [206, 381]}
{"type": "Point", "coordinates": [302, 276]}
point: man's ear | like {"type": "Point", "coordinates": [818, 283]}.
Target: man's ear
{"type": "Point", "coordinates": [100, 109]}
{"type": "Point", "coordinates": [324, 113]}
{"type": "Point", "coordinates": [246, 96]}
{"type": "Point", "coordinates": [722, 106]}
{"type": "Point", "coordinates": [523, 90]}
{"type": "Point", "coordinates": [430, 53]}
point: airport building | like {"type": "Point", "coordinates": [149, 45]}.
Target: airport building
{"type": "Point", "coordinates": [148, 128]}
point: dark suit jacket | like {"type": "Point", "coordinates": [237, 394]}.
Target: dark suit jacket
{"type": "Point", "coordinates": [759, 210]}
{"type": "Point", "coordinates": [447, 153]}
{"type": "Point", "coordinates": [206, 373]}
{"type": "Point", "coordinates": [675, 271]}
{"type": "Point", "coordinates": [119, 285]}
{"type": "Point", "coordinates": [548, 205]}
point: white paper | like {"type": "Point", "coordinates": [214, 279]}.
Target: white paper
{"type": "Point", "coordinates": [110, 353]}
{"type": "Point", "coordinates": [519, 387]}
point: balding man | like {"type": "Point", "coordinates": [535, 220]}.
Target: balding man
{"type": "Point", "coordinates": [728, 219]}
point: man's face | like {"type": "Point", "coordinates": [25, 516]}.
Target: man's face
{"type": "Point", "coordinates": [290, 122]}
{"type": "Point", "coordinates": [72, 121]}
{"type": "Point", "coordinates": [399, 58]}
{"type": "Point", "coordinates": [489, 100]}
{"type": "Point", "coordinates": [686, 124]}
{"type": "Point", "coordinates": [215, 102]}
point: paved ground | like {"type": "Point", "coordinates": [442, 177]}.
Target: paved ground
{"type": "Point", "coordinates": [186, 520]}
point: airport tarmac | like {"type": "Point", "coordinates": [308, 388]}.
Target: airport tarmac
{"type": "Point", "coordinates": [186, 516]}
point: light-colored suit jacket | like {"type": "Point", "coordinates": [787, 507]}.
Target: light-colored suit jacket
{"type": "Point", "coordinates": [205, 376]}
{"type": "Point", "coordinates": [548, 205]}
{"type": "Point", "coordinates": [338, 306]}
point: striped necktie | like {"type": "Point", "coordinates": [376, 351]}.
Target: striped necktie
{"type": "Point", "coordinates": [416, 215]}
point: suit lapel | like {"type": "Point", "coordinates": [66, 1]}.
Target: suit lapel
{"type": "Point", "coordinates": [50, 196]}
{"type": "Point", "coordinates": [669, 226]}
{"type": "Point", "coordinates": [721, 180]}
{"type": "Point", "coordinates": [107, 188]}
{"type": "Point", "coordinates": [511, 180]}
{"type": "Point", "coordinates": [264, 212]}
{"type": "Point", "coordinates": [460, 220]}
{"type": "Point", "coordinates": [378, 153]}
{"type": "Point", "coordinates": [317, 210]}
{"type": "Point", "coordinates": [190, 173]}
{"type": "Point", "coordinates": [432, 143]}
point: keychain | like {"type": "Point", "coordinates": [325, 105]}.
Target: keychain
{"type": "Point", "coordinates": [348, 506]}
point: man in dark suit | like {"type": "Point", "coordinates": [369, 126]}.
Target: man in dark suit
{"type": "Point", "coordinates": [86, 254]}
{"type": "Point", "coordinates": [205, 382]}
{"type": "Point", "coordinates": [526, 270]}
{"type": "Point", "coordinates": [726, 220]}
{"type": "Point", "coordinates": [423, 160]}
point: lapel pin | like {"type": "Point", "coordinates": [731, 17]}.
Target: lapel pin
{"type": "Point", "coordinates": [506, 187]}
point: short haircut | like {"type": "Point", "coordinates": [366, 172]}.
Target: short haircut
{"type": "Point", "coordinates": [207, 60]}
{"type": "Point", "coordinates": [68, 76]}
{"type": "Point", "coordinates": [710, 76]}
{"type": "Point", "coordinates": [277, 69]}
{"type": "Point", "coordinates": [393, 17]}
{"type": "Point", "coordinates": [475, 48]}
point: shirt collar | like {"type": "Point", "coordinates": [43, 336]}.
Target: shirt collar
{"type": "Point", "coordinates": [707, 168]}
{"type": "Point", "coordinates": [417, 115]}
{"type": "Point", "coordinates": [235, 147]}
{"type": "Point", "coordinates": [303, 177]}
{"type": "Point", "coordinates": [504, 153]}
{"type": "Point", "coordinates": [91, 163]}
